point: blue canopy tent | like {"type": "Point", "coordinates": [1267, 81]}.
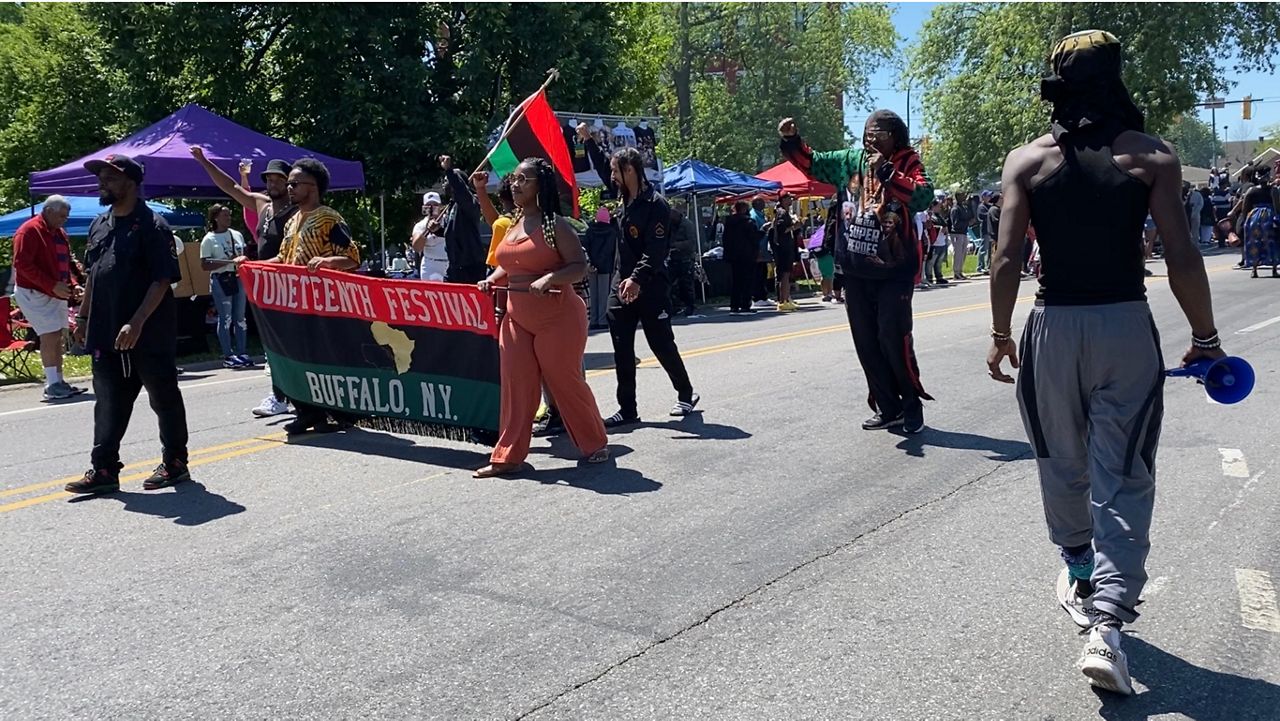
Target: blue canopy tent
{"type": "Point", "coordinates": [85, 209]}
{"type": "Point", "coordinates": [693, 178]}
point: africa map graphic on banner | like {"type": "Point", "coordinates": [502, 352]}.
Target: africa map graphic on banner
{"type": "Point", "coordinates": [418, 353]}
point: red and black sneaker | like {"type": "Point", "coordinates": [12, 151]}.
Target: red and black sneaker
{"type": "Point", "coordinates": [166, 475]}
{"type": "Point", "coordinates": [95, 481]}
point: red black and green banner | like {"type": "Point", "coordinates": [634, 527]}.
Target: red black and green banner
{"type": "Point", "coordinates": [537, 134]}
{"type": "Point", "coordinates": [407, 355]}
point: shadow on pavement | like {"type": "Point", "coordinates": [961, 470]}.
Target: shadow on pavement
{"type": "Point", "coordinates": [1001, 450]}
{"type": "Point", "coordinates": [1176, 687]}
{"type": "Point", "coordinates": [603, 478]}
{"type": "Point", "coordinates": [190, 504]}
{"type": "Point", "coordinates": [691, 426]}
{"type": "Point", "coordinates": [374, 443]}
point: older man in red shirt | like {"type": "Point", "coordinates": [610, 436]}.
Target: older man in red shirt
{"type": "Point", "coordinates": [43, 286]}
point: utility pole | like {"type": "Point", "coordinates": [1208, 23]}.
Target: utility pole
{"type": "Point", "coordinates": [1213, 123]}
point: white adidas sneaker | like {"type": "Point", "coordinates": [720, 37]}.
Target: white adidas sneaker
{"type": "Point", "coordinates": [1104, 663]}
{"type": "Point", "coordinates": [1080, 609]}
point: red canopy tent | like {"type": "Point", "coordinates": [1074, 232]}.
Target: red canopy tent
{"type": "Point", "coordinates": [795, 182]}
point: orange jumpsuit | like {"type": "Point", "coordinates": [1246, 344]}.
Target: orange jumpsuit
{"type": "Point", "coordinates": [542, 338]}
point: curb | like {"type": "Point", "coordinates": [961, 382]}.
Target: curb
{"type": "Point", "coordinates": [198, 367]}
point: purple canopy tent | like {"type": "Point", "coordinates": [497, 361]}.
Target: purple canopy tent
{"type": "Point", "coordinates": [171, 172]}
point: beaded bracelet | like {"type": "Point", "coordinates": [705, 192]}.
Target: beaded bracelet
{"type": "Point", "coordinates": [1209, 343]}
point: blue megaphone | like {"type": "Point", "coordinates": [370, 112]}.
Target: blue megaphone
{"type": "Point", "coordinates": [1226, 380]}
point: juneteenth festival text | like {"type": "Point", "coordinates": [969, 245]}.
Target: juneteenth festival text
{"type": "Point", "coordinates": [403, 355]}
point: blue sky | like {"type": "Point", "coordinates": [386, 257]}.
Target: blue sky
{"type": "Point", "coordinates": [910, 17]}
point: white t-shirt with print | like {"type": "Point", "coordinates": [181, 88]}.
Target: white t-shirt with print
{"type": "Point", "coordinates": [227, 245]}
{"type": "Point", "coordinates": [435, 259]}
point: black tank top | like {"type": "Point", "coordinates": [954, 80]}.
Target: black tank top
{"type": "Point", "coordinates": [1089, 216]}
{"type": "Point", "coordinates": [271, 231]}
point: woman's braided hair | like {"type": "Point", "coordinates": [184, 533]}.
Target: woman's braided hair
{"type": "Point", "coordinates": [548, 198]}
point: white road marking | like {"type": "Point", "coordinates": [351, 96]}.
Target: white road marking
{"type": "Point", "coordinates": [1233, 464]}
{"type": "Point", "coordinates": [1235, 503]}
{"type": "Point", "coordinates": [1156, 585]}
{"type": "Point", "coordinates": [86, 404]}
{"type": "Point", "coordinates": [1258, 609]}
{"type": "Point", "coordinates": [1259, 326]}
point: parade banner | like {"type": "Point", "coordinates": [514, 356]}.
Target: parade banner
{"type": "Point", "coordinates": [403, 355]}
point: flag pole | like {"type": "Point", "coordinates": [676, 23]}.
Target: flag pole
{"type": "Point", "coordinates": [552, 75]}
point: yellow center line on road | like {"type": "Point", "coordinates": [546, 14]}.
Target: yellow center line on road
{"type": "Point", "coordinates": [795, 335]}
{"type": "Point", "coordinates": [200, 457]}
{"type": "Point", "coordinates": [152, 463]}
{"type": "Point", "coordinates": [202, 460]}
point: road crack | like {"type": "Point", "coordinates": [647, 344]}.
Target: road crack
{"type": "Point", "coordinates": [770, 584]}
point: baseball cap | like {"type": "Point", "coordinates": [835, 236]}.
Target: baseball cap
{"type": "Point", "coordinates": [429, 198]}
{"type": "Point", "coordinates": [276, 167]}
{"type": "Point", "coordinates": [131, 168]}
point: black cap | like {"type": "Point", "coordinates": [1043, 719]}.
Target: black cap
{"type": "Point", "coordinates": [276, 167]}
{"type": "Point", "coordinates": [131, 168]}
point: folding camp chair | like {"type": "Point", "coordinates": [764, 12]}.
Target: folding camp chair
{"type": "Point", "coordinates": [15, 354]}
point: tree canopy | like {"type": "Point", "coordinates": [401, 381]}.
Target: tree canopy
{"type": "Point", "coordinates": [980, 64]}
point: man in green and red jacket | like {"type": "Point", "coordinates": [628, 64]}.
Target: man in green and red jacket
{"type": "Point", "coordinates": [879, 253]}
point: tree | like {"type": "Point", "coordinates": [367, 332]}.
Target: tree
{"type": "Point", "coordinates": [1194, 140]}
{"type": "Point", "coordinates": [772, 61]}
{"type": "Point", "coordinates": [57, 93]}
{"type": "Point", "coordinates": [1270, 139]}
{"type": "Point", "coordinates": [980, 64]}
{"type": "Point", "coordinates": [392, 85]}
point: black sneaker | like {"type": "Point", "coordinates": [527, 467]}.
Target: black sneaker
{"type": "Point", "coordinates": [166, 475]}
{"type": "Point", "coordinates": [299, 426]}
{"type": "Point", "coordinates": [618, 419]}
{"type": "Point", "coordinates": [95, 481]}
{"type": "Point", "coordinates": [913, 421]}
{"type": "Point", "coordinates": [879, 423]}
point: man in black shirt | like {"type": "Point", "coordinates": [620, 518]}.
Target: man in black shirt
{"type": "Point", "coordinates": [741, 248]}
{"type": "Point", "coordinates": [1092, 377]}
{"type": "Point", "coordinates": [681, 264]}
{"type": "Point", "coordinates": [643, 296]}
{"type": "Point", "coordinates": [462, 242]}
{"type": "Point", "coordinates": [274, 210]}
{"type": "Point", "coordinates": [128, 325]}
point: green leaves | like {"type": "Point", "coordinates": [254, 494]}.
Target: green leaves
{"type": "Point", "coordinates": [980, 65]}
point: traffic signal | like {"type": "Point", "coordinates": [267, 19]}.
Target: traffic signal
{"type": "Point", "coordinates": [1247, 107]}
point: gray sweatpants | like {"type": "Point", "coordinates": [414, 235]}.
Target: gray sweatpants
{"type": "Point", "coordinates": [1091, 393]}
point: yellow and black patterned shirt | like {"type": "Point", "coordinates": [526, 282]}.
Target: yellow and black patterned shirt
{"type": "Point", "coordinates": [320, 233]}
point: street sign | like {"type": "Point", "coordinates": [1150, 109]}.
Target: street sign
{"type": "Point", "coordinates": [1215, 103]}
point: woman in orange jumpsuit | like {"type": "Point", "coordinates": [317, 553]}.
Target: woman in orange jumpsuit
{"type": "Point", "coordinates": [544, 332]}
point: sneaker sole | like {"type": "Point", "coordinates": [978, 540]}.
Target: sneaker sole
{"type": "Point", "coordinates": [1104, 676]}
{"type": "Point", "coordinates": [885, 427]}
{"type": "Point", "coordinates": [93, 492]}
{"type": "Point", "coordinates": [266, 414]}
{"type": "Point", "coordinates": [147, 486]}
{"type": "Point", "coordinates": [620, 424]}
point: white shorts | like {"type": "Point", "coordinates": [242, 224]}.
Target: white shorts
{"type": "Point", "coordinates": [45, 313]}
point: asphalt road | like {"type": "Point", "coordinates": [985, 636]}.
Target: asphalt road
{"type": "Point", "coordinates": [765, 558]}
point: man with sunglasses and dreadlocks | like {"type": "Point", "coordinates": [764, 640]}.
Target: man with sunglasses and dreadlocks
{"type": "Point", "coordinates": [643, 295]}
{"type": "Point", "coordinates": [879, 254]}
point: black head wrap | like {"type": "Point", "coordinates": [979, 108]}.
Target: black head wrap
{"type": "Point", "coordinates": [1085, 86]}
{"type": "Point", "coordinates": [892, 122]}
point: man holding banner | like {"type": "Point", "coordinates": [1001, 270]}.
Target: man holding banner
{"type": "Point", "coordinates": [317, 237]}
